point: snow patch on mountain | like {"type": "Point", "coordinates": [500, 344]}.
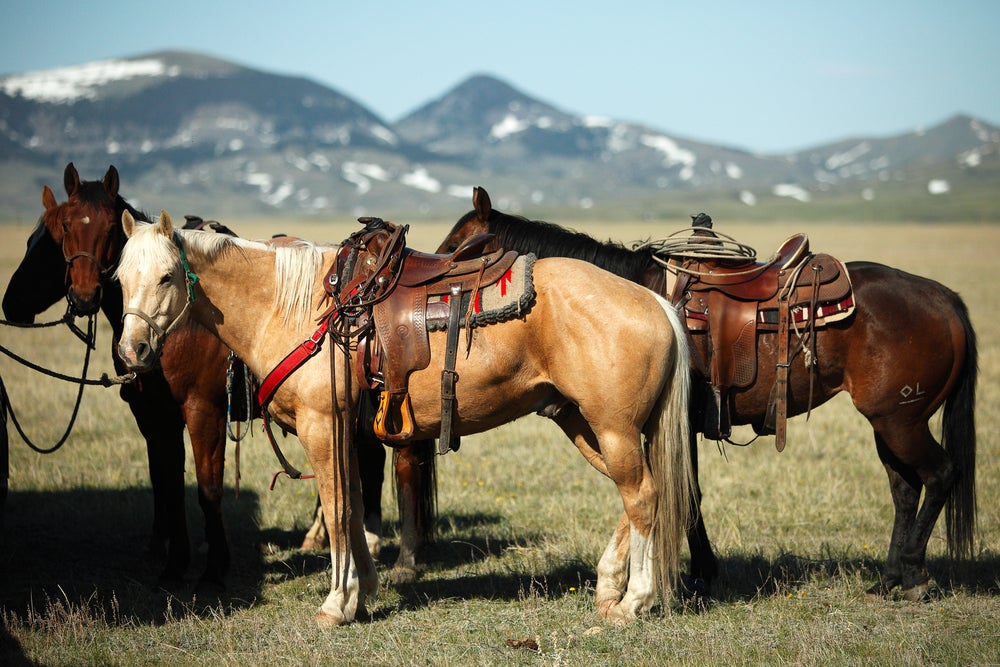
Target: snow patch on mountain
{"type": "Point", "coordinates": [66, 85]}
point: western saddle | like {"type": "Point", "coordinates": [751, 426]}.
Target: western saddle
{"type": "Point", "coordinates": [731, 300]}
{"type": "Point", "coordinates": [388, 294]}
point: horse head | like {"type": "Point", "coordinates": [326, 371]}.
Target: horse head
{"type": "Point", "coordinates": [476, 221]}
{"type": "Point", "coordinates": [155, 289]}
{"type": "Point", "coordinates": [86, 227]}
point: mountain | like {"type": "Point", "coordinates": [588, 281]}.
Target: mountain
{"type": "Point", "coordinates": [196, 134]}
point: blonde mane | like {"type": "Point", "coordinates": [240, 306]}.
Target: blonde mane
{"type": "Point", "coordinates": [297, 264]}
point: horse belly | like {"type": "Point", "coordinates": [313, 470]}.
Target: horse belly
{"type": "Point", "coordinates": [499, 381]}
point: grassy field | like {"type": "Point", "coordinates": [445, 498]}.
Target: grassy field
{"type": "Point", "coordinates": [523, 520]}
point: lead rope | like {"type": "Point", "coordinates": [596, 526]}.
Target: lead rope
{"type": "Point", "coordinates": [90, 340]}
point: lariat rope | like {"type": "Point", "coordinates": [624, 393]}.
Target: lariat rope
{"type": "Point", "coordinates": [685, 245]}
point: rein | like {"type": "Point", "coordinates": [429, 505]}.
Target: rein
{"type": "Point", "coordinates": [89, 338]}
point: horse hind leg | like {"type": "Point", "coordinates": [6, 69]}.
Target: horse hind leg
{"type": "Point", "coordinates": [704, 564]}
{"type": "Point", "coordinates": [927, 468]}
{"type": "Point", "coordinates": [415, 496]}
{"type": "Point", "coordinates": [371, 463]}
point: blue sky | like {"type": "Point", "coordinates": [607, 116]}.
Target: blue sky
{"type": "Point", "coordinates": [765, 76]}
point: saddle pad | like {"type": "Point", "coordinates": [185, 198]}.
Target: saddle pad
{"type": "Point", "coordinates": [508, 298]}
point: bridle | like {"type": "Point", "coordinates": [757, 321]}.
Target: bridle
{"type": "Point", "coordinates": [157, 333]}
{"type": "Point", "coordinates": [103, 271]}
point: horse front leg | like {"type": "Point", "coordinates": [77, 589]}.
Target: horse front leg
{"type": "Point", "coordinates": [353, 575]}
{"type": "Point", "coordinates": [160, 424]}
{"type": "Point", "coordinates": [206, 427]}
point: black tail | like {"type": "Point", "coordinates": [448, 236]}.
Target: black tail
{"type": "Point", "coordinates": [959, 440]}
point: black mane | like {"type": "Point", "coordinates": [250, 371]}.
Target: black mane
{"type": "Point", "coordinates": [546, 239]}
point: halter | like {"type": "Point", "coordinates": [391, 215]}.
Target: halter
{"type": "Point", "coordinates": [190, 279]}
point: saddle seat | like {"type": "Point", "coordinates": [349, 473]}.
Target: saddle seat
{"type": "Point", "coordinates": [748, 280]}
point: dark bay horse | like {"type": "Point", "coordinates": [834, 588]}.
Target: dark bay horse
{"type": "Point", "coordinates": [908, 349]}
{"type": "Point", "coordinates": [73, 255]}
{"type": "Point", "coordinates": [557, 356]}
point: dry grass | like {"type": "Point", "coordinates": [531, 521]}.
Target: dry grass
{"type": "Point", "coordinates": [800, 535]}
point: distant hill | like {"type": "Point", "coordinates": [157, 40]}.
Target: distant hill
{"type": "Point", "coordinates": [196, 134]}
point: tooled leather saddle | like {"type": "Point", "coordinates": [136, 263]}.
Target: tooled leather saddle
{"type": "Point", "coordinates": [731, 300]}
{"type": "Point", "coordinates": [388, 292]}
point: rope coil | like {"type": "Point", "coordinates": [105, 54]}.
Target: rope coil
{"type": "Point", "coordinates": [684, 244]}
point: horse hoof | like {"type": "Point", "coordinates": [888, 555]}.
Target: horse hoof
{"type": "Point", "coordinates": [374, 543]}
{"type": "Point", "coordinates": [312, 544]}
{"type": "Point", "coordinates": [614, 613]}
{"type": "Point", "coordinates": [325, 621]}
{"type": "Point", "coordinates": [919, 593]}
{"type": "Point", "coordinates": [695, 595]}
{"type": "Point", "coordinates": [880, 591]}
{"type": "Point", "coordinates": [402, 574]}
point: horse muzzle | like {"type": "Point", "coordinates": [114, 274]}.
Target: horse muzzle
{"type": "Point", "coordinates": [139, 356]}
{"type": "Point", "coordinates": [82, 305]}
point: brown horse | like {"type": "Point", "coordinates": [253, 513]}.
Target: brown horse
{"type": "Point", "coordinates": [631, 426]}
{"type": "Point", "coordinates": [73, 255]}
{"type": "Point", "coordinates": [908, 349]}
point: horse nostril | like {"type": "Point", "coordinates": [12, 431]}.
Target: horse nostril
{"type": "Point", "coordinates": [143, 351]}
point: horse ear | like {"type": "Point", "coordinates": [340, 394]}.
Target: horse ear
{"type": "Point", "coordinates": [50, 216]}
{"type": "Point", "coordinates": [166, 224]}
{"type": "Point", "coordinates": [111, 182]}
{"type": "Point", "coordinates": [48, 198]}
{"type": "Point", "coordinates": [128, 224]}
{"type": "Point", "coordinates": [71, 179]}
{"type": "Point", "coordinates": [481, 202]}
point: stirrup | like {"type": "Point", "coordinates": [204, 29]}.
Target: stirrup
{"type": "Point", "coordinates": [405, 413]}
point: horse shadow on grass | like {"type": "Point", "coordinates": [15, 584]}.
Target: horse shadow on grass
{"type": "Point", "coordinates": [464, 542]}
{"type": "Point", "coordinates": [85, 552]}
{"type": "Point", "coordinates": [742, 578]}
{"type": "Point", "coordinates": [746, 577]}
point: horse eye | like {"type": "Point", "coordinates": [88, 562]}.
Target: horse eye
{"type": "Point", "coordinates": [165, 279]}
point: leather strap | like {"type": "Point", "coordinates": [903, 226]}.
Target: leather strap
{"type": "Point", "coordinates": [448, 374]}
{"type": "Point", "coordinates": [274, 380]}
{"type": "Point", "coordinates": [780, 393]}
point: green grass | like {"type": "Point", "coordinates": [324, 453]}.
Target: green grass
{"type": "Point", "coordinates": [523, 519]}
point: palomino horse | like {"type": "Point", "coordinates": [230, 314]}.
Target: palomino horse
{"type": "Point", "coordinates": [73, 255]}
{"type": "Point", "coordinates": [908, 349]}
{"type": "Point", "coordinates": [573, 355]}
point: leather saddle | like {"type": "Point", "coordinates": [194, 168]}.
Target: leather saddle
{"type": "Point", "coordinates": [396, 291]}
{"type": "Point", "coordinates": [731, 300]}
